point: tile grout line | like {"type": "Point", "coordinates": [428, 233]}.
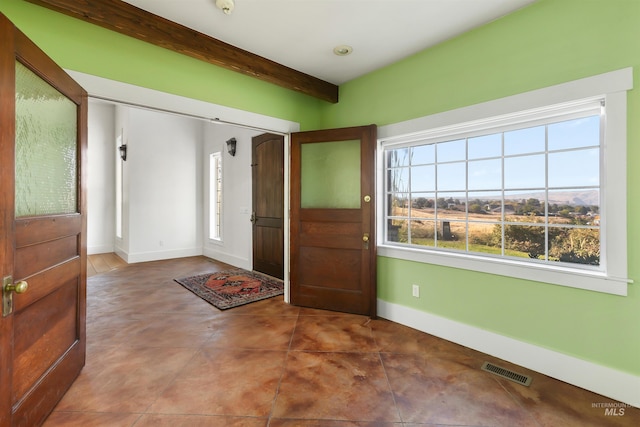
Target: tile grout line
{"type": "Point", "coordinates": [197, 351]}
{"type": "Point", "coordinates": [384, 369]}
{"type": "Point", "coordinates": [284, 369]}
{"type": "Point", "coordinates": [137, 420]}
{"type": "Point", "coordinates": [517, 401]}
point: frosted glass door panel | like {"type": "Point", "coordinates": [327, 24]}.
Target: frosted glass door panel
{"type": "Point", "coordinates": [330, 175]}
{"type": "Point", "coordinates": [46, 148]}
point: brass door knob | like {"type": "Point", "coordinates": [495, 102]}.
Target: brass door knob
{"type": "Point", "coordinates": [365, 238]}
{"type": "Point", "coordinates": [19, 288]}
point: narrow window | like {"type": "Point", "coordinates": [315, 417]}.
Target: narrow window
{"type": "Point", "coordinates": [215, 196]}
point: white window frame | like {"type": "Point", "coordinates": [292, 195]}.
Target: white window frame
{"type": "Point", "coordinates": [215, 196]}
{"type": "Point", "coordinates": [610, 87]}
{"type": "Point", "coordinates": [119, 186]}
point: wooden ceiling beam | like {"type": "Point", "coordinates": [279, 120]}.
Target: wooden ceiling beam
{"type": "Point", "coordinates": [126, 19]}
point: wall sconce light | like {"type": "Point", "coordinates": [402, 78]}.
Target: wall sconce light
{"type": "Point", "coordinates": [123, 151]}
{"type": "Point", "coordinates": [231, 146]}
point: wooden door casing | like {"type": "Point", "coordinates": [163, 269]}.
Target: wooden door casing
{"type": "Point", "coordinates": [43, 341]}
{"type": "Point", "coordinates": [267, 167]}
{"type": "Point", "coordinates": [7, 151]}
{"type": "Point", "coordinates": [332, 267]}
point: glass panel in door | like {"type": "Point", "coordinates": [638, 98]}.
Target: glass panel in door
{"type": "Point", "coordinates": [330, 175]}
{"type": "Point", "coordinates": [46, 148]}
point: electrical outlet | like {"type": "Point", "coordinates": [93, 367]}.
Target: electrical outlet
{"type": "Point", "coordinates": [415, 291]}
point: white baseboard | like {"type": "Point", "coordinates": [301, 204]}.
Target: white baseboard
{"type": "Point", "coordinates": [100, 249]}
{"type": "Point", "coordinates": [122, 254]}
{"type": "Point", "coordinates": [133, 258]}
{"type": "Point", "coordinates": [618, 385]}
{"type": "Point", "coordinates": [228, 258]}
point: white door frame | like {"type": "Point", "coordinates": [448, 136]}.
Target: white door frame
{"type": "Point", "coordinates": [128, 94]}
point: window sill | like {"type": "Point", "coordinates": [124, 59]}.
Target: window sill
{"type": "Point", "coordinates": [581, 279]}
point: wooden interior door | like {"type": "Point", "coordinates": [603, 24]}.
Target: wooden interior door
{"type": "Point", "coordinates": [43, 116]}
{"type": "Point", "coordinates": [333, 242]}
{"type": "Point", "coordinates": [268, 204]}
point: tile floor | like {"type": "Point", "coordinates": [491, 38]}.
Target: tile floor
{"type": "Point", "coordinates": [159, 356]}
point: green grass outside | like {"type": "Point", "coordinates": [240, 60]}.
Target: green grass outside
{"type": "Point", "coordinates": [460, 245]}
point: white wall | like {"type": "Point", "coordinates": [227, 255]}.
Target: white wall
{"type": "Point", "coordinates": [163, 186]}
{"type": "Point", "coordinates": [101, 191]}
{"type": "Point", "coordinates": [236, 247]}
{"type": "Point", "coordinates": [122, 130]}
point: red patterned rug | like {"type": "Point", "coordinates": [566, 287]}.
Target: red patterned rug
{"type": "Point", "coordinates": [232, 288]}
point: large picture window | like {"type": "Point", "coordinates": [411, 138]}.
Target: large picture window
{"type": "Point", "coordinates": [532, 186]}
{"type": "Point", "coordinates": [531, 192]}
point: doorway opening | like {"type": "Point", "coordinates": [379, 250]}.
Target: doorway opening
{"type": "Point", "coordinates": [209, 116]}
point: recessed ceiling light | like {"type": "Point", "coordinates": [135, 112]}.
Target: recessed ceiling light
{"type": "Point", "coordinates": [342, 50]}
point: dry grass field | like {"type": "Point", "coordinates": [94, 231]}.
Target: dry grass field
{"type": "Point", "coordinates": [483, 234]}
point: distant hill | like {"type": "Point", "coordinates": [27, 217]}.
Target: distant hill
{"type": "Point", "coordinates": [575, 198]}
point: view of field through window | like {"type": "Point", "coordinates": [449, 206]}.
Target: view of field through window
{"type": "Point", "coordinates": [529, 193]}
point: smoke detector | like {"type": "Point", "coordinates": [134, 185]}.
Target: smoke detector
{"type": "Point", "coordinates": [226, 6]}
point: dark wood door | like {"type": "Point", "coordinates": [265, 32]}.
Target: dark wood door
{"type": "Point", "coordinates": [43, 118]}
{"type": "Point", "coordinates": [333, 242]}
{"type": "Point", "coordinates": [268, 204]}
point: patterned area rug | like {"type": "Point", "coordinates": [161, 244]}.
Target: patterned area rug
{"type": "Point", "coordinates": [232, 288]}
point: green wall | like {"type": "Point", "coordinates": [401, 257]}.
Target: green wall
{"type": "Point", "coordinates": [549, 42]}
{"type": "Point", "coordinates": [90, 49]}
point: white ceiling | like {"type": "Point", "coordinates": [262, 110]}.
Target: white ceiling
{"type": "Point", "coordinates": [301, 34]}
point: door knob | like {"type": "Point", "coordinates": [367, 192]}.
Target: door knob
{"type": "Point", "coordinates": [19, 288]}
{"type": "Point", "coordinates": [8, 288]}
{"type": "Point", "coordinates": [365, 238]}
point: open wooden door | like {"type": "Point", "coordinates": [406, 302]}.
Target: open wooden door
{"type": "Point", "coordinates": [267, 171]}
{"type": "Point", "coordinates": [43, 122]}
{"type": "Point", "coordinates": [333, 242]}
